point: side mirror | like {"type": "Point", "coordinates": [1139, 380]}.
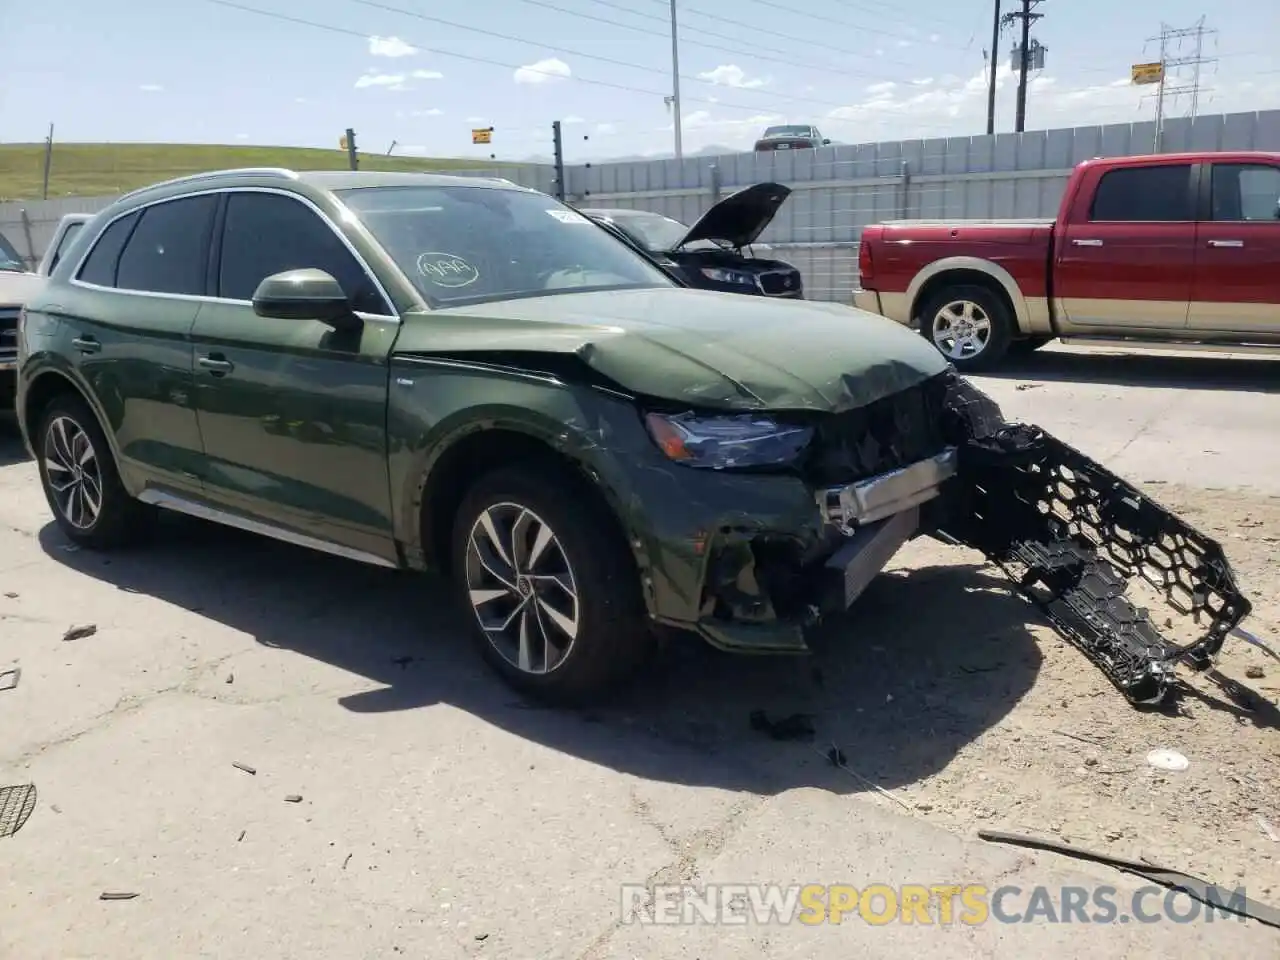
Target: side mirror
{"type": "Point", "coordinates": [304, 295]}
{"type": "Point", "coordinates": [826, 142]}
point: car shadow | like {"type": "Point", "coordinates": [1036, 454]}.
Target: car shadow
{"type": "Point", "coordinates": [1188, 372]}
{"type": "Point", "coordinates": [11, 449]}
{"type": "Point", "coordinates": [921, 667]}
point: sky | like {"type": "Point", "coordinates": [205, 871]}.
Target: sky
{"type": "Point", "coordinates": [421, 75]}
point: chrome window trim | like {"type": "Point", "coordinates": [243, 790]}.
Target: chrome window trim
{"type": "Point", "coordinates": [75, 280]}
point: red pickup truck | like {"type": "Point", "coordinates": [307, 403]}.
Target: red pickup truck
{"type": "Point", "coordinates": [1167, 249]}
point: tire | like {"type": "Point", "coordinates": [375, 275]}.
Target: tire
{"type": "Point", "coordinates": [968, 304]}
{"type": "Point", "coordinates": [588, 630]}
{"type": "Point", "coordinates": [68, 440]}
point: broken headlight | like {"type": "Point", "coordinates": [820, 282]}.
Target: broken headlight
{"type": "Point", "coordinates": [719, 443]}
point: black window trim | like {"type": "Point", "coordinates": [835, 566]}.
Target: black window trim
{"type": "Point", "coordinates": [1194, 189]}
{"type": "Point", "coordinates": [220, 192]}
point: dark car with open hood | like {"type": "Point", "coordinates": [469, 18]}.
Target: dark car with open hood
{"type": "Point", "coordinates": [462, 375]}
{"type": "Point", "coordinates": [719, 252]}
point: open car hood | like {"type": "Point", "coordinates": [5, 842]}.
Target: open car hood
{"type": "Point", "coordinates": [740, 217]}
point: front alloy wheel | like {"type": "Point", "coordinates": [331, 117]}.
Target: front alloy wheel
{"type": "Point", "coordinates": [544, 574]}
{"type": "Point", "coordinates": [74, 474]}
{"type": "Point", "coordinates": [522, 588]}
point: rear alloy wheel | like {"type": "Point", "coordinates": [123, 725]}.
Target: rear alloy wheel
{"type": "Point", "coordinates": [80, 479]}
{"type": "Point", "coordinates": [969, 325]}
{"type": "Point", "coordinates": [548, 584]}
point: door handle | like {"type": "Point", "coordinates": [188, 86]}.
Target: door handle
{"type": "Point", "coordinates": [1226, 243]}
{"type": "Point", "coordinates": [216, 365]}
{"type": "Point", "coordinates": [86, 344]}
{"type": "Point", "coordinates": [1087, 243]}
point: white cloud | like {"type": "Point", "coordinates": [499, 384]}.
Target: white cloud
{"type": "Point", "coordinates": [242, 136]}
{"type": "Point", "coordinates": [387, 81]}
{"type": "Point", "coordinates": [151, 88]}
{"type": "Point", "coordinates": [431, 112]}
{"type": "Point", "coordinates": [904, 43]}
{"type": "Point", "coordinates": [572, 118]}
{"type": "Point", "coordinates": [951, 105]}
{"type": "Point", "coordinates": [390, 47]}
{"type": "Point", "coordinates": [550, 70]}
{"type": "Point", "coordinates": [606, 129]}
{"type": "Point", "coordinates": [427, 75]}
{"type": "Point", "coordinates": [934, 38]}
{"type": "Point", "coordinates": [478, 121]}
{"type": "Point", "coordinates": [732, 75]}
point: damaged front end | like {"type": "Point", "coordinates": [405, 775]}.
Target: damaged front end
{"type": "Point", "coordinates": [1077, 541]}
{"type": "Point", "coordinates": [1082, 545]}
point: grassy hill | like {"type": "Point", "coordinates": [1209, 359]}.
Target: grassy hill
{"type": "Point", "coordinates": [96, 169]}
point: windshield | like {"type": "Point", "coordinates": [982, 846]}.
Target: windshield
{"type": "Point", "coordinates": [657, 233]}
{"type": "Point", "coordinates": [461, 245]}
{"type": "Point", "coordinates": [789, 132]}
{"type": "Point", "coordinates": [9, 259]}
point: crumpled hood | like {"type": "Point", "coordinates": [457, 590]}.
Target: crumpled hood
{"type": "Point", "coordinates": [17, 288]}
{"type": "Point", "coordinates": [714, 350]}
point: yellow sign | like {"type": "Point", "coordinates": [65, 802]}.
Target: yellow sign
{"type": "Point", "coordinates": [482, 135]}
{"type": "Point", "coordinates": [1145, 73]}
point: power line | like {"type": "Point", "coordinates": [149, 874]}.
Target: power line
{"type": "Point", "coordinates": [568, 51]}
{"type": "Point", "coordinates": [684, 30]}
{"type": "Point", "coordinates": [793, 11]}
{"type": "Point", "coordinates": [1028, 17]}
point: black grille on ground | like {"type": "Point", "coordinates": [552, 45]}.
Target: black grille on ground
{"type": "Point", "coordinates": [780, 283]}
{"type": "Point", "coordinates": [894, 432]}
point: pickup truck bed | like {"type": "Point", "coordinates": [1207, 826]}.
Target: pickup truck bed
{"type": "Point", "coordinates": [1177, 248]}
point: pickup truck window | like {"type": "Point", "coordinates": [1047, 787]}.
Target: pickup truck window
{"type": "Point", "coordinates": [1246, 191]}
{"type": "Point", "coordinates": [9, 259]}
{"type": "Point", "coordinates": [1144, 195]}
{"type": "Point", "coordinates": [67, 236]}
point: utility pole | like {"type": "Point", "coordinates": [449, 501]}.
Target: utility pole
{"type": "Point", "coordinates": [674, 99]}
{"type": "Point", "coordinates": [1024, 56]}
{"type": "Point", "coordinates": [48, 160]}
{"type": "Point", "coordinates": [348, 143]}
{"type": "Point", "coordinates": [558, 146]}
{"type": "Point", "coordinates": [995, 62]}
{"type": "Point", "coordinates": [1197, 61]}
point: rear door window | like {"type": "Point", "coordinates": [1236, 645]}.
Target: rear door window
{"type": "Point", "coordinates": [1144, 195]}
{"type": "Point", "coordinates": [100, 266]}
{"type": "Point", "coordinates": [1246, 192]}
{"type": "Point", "coordinates": [169, 250]}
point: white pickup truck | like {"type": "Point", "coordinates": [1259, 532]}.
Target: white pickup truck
{"type": "Point", "coordinates": [17, 283]}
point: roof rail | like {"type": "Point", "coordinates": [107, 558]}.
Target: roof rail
{"type": "Point", "coordinates": [280, 172]}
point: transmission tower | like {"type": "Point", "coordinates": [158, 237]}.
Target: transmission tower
{"type": "Point", "coordinates": [1171, 42]}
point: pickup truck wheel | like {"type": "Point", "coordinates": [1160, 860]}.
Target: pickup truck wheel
{"type": "Point", "coordinates": [970, 325]}
{"type": "Point", "coordinates": [548, 584]}
{"type": "Point", "coordinates": [80, 479]}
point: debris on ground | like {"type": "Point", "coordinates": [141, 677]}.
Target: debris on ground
{"type": "Point", "coordinates": [108, 895]}
{"type": "Point", "coordinates": [11, 595]}
{"type": "Point", "coordinates": [346, 861]}
{"type": "Point", "coordinates": [1254, 673]}
{"type": "Point", "coordinates": [402, 662]}
{"type": "Point", "coordinates": [1267, 829]}
{"type": "Point", "coordinates": [9, 678]}
{"type": "Point", "coordinates": [1163, 758]}
{"type": "Point", "coordinates": [80, 632]}
{"type": "Point", "coordinates": [252, 771]}
{"type": "Point", "coordinates": [241, 837]}
{"type": "Point", "coordinates": [1207, 893]}
{"type": "Point", "coordinates": [835, 756]}
{"type": "Point", "coordinates": [798, 726]}
{"type": "Point", "coordinates": [293, 798]}
{"type": "Point", "coordinates": [16, 804]}
{"type": "Point", "coordinates": [231, 678]}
